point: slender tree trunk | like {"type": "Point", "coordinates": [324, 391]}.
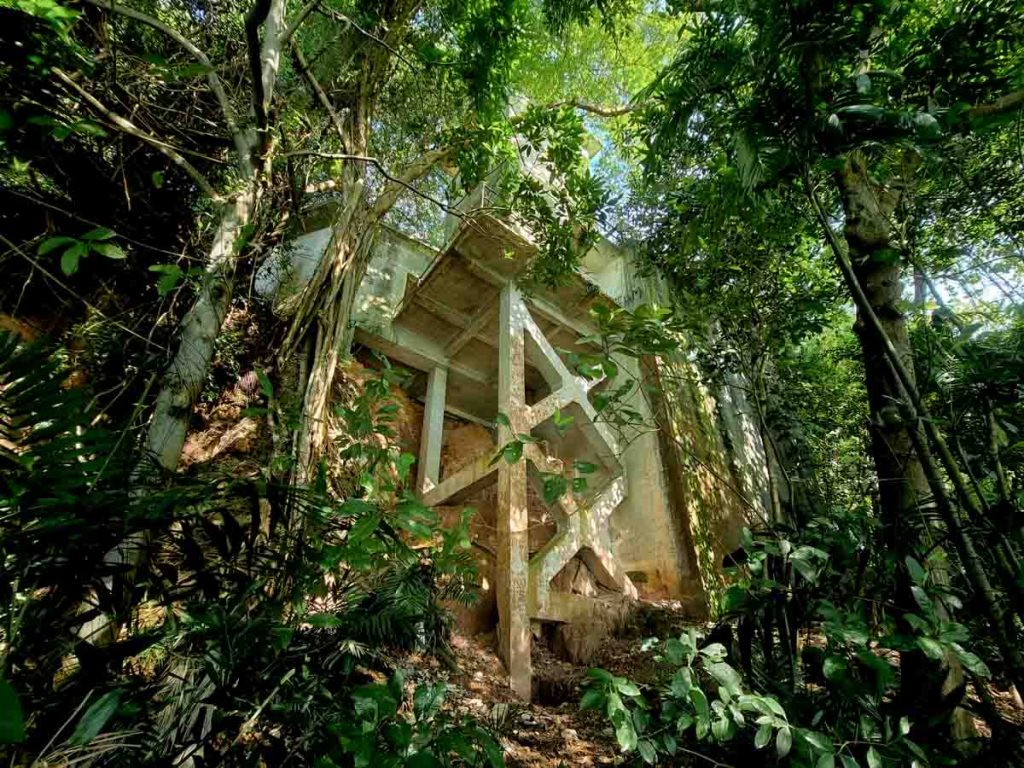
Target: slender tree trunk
{"type": "Point", "coordinates": [184, 378]}
{"type": "Point", "coordinates": [903, 485]}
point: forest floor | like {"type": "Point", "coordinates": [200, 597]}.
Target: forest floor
{"type": "Point", "coordinates": [551, 731]}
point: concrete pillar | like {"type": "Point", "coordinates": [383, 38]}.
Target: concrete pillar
{"type": "Point", "coordinates": [428, 473]}
{"type": "Point", "coordinates": [512, 514]}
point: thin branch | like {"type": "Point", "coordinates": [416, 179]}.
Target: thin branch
{"type": "Point", "coordinates": [91, 307]}
{"type": "Point", "coordinates": [237, 136]}
{"type": "Point", "coordinates": [321, 95]}
{"type": "Point", "coordinates": [411, 173]}
{"type": "Point", "coordinates": [338, 16]}
{"type": "Point", "coordinates": [297, 21]}
{"type": "Point", "coordinates": [415, 171]}
{"type": "Point", "coordinates": [130, 128]}
{"type": "Point", "coordinates": [600, 110]}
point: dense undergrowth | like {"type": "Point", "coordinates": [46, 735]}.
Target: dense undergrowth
{"type": "Point", "coordinates": [152, 620]}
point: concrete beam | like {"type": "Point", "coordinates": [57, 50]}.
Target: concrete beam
{"type": "Point", "coordinates": [429, 470]}
{"type": "Point", "coordinates": [471, 330]}
{"type": "Point", "coordinates": [512, 514]}
{"type": "Point", "coordinates": [452, 316]}
{"type": "Point", "coordinates": [462, 483]}
{"type": "Point", "coordinates": [416, 351]}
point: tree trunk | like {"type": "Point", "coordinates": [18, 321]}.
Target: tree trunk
{"type": "Point", "coordinates": [184, 378]}
{"type": "Point", "coordinates": [902, 483]}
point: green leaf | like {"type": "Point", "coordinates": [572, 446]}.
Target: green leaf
{"type": "Point", "coordinates": [720, 729]}
{"type": "Point", "coordinates": [834, 667]}
{"type": "Point", "coordinates": [917, 573]}
{"type": "Point", "coordinates": [53, 243]}
{"type": "Point", "coordinates": [266, 387]}
{"type": "Point", "coordinates": [763, 736]}
{"type": "Point", "coordinates": [584, 467]}
{"type": "Point", "coordinates": [69, 259]}
{"type": "Point", "coordinates": [502, 420]}
{"type": "Point", "coordinates": [95, 717]}
{"type": "Point", "coordinates": [921, 598]}
{"type": "Point", "coordinates": [874, 759]}
{"type": "Point", "coordinates": [600, 675]}
{"type": "Point", "coordinates": [700, 701]}
{"type": "Point", "coordinates": [512, 452]}
{"type": "Point", "coordinates": [972, 662]}
{"type": "Point", "coordinates": [427, 700]}
{"type": "Point", "coordinates": [931, 647]}
{"type": "Point", "coordinates": [675, 651]}
{"type": "Point", "coordinates": [593, 698]}
{"type": "Point", "coordinates": [12, 721]}
{"type": "Point", "coordinates": [626, 688]}
{"type": "Point", "coordinates": [110, 250]}
{"type": "Point", "coordinates": [625, 734]}
{"type": "Point", "coordinates": [826, 761]}
{"type": "Point", "coordinates": [324, 620]}
{"type": "Point", "coordinates": [157, 177]}
{"type": "Point", "coordinates": [99, 233]}
{"type": "Point", "coordinates": [783, 741]}
{"type": "Point", "coordinates": [647, 751]}
{"type": "Point", "coordinates": [727, 676]}
{"type": "Point", "coordinates": [671, 746]}
{"type": "Point", "coordinates": [554, 487]}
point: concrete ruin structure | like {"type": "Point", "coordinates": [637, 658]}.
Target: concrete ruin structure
{"type": "Point", "coordinates": [658, 508]}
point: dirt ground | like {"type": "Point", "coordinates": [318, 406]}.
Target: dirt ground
{"type": "Point", "coordinates": [551, 731]}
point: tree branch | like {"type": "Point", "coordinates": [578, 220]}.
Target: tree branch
{"type": "Point", "coordinates": [297, 21]}
{"type": "Point", "coordinates": [241, 146]}
{"type": "Point", "coordinates": [132, 130]}
{"type": "Point", "coordinates": [318, 91]}
{"type": "Point", "coordinates": [338, 16]}
{"type": "Point", "coordinates": [1007, 103]}
{"type": "Point", "coordinates": [396, 184]}
{"type": "Point", "coordinates": [600, 110]}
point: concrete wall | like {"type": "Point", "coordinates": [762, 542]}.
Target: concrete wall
{"type": "Point", "coordinates": [691, 487]}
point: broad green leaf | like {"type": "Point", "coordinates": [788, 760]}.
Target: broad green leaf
{"type": "Point", "coordinates": [932, 648]}
{"type": "Point", "coordinates": [972, 662]}
{"type": "Point", "coordinates": [874, 759]}
{"type": "Point", "coordinates": [70, 258]}
{"type": "Point", "coordinates": [700, 701]}
{"type": "Point", "coordinates": [95, 718]}
{"type": "Point", "coordinates": [110, 250]}
{"type": "Point", "coordinates": [647, 751]}
{"type": "Point", "coordinates": [626, 688]}
{"type": "Point", "coordinates": [12, 721]}
{"type": "Point", "coordinates": [53, 243]}
{"type": "Point", "coordinates": [593, 698]}
{"type": "Point", "coordinates": [763, 736]}
{"type": "Point", "coordinates": [99, 233]}
{"type": "Point", "coordinates": [783, 741]}
{"type": "Point", "coordinates": [512, 452]}
{"type": "Point", "coordinates": [625, 734]}
{"type": "Point", "coordinates": [917, 573]}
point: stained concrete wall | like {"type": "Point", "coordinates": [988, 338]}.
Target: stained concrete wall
{"type": "Point", "coordinates": [691, 488]}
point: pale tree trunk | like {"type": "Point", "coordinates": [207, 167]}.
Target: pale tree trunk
{"type": "Point", "coordinates": [198, 331]}
{"type": "Point", "coordinates": [903, 483]}
{"type": "Point", "coordinates": [199, 328]}
{"type": "Point", "coordinates": [322, 324]}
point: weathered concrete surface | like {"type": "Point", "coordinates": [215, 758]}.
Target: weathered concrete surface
{"type": "Point", "coordinates": [691, 487]}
